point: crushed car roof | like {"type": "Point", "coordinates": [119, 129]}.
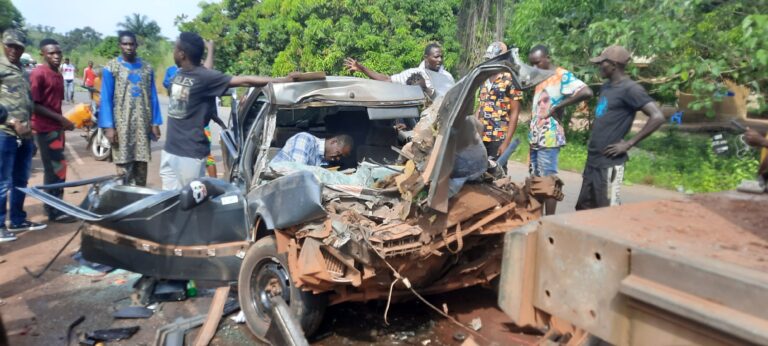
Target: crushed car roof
{"type": "Point", "coordinates": [346, 91]}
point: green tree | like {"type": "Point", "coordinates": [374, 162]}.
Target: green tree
{"type": "Point", "coordinates": [275, 37]}
{"type": "Point", "coordinates": [108, 48]}
{"type": "Point", "coordinates": [141, 25]}
{"type": "Point", "coordinates": [76, 38]}
{"type": "Point", "coordinates": [10, 17]}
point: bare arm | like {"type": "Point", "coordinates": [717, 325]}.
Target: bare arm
{"type": "Point", "coordinates": [355, 66]}
{"type": "Point", "coordinates": [655, 120]}
{"type": "Point", "coordinates": [50, 114]}
{"type": "Point", "coordinates": [239, 81]}
{"type": "Point", "coordinates": [208, 63]}
{"type": "Point", "coordinates": [583, 94]}
{"type": "Point", "coordinates": [514, 114]}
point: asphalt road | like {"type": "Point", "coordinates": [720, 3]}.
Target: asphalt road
{"type": "Point", "coordinates": [38, 311]}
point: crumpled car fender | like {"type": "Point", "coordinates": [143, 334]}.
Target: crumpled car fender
{"type": "Point", "coordinates": [287, 201]}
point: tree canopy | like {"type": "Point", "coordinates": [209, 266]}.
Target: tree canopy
{"type": "Point", "coordinates": [689, 45]}
{"type": "Point", "coordinates": [10, 17]}
{"type": "Point", "coordinates": [141, 25]}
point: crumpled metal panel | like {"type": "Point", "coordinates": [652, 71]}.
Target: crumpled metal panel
{"type": "Point", "coordinates": [455, 136]}
{"type": "Point", "coordinates": [346, 91]}
{"type": "Point", "coordinates": [288, 201]}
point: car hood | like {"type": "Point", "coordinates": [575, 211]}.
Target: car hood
{"type": "Point", "coordinates": [345, 91]}
{"type": "Point", "coordinates": [454, 133]}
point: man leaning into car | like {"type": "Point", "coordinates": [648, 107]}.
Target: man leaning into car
{"type": "Point", "coordinates": [312, 151]}
{"type": "Point", "coordinates": [193, 101]}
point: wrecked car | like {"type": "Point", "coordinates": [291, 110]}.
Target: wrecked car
{"type": "Point", "coordinates": [426, 216]}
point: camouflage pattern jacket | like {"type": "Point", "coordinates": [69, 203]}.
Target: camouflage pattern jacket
{"type": "Point", "coordinates": [14, 93]}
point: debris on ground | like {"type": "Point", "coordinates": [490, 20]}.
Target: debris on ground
{"type": "Point", "coordinates": [239, 318]}
{"type": "Point", "coordinates": [115, 334]}
{"type": "Point", "coordinates": [133, 312]}
{"type": "Point", "coordinates": [476, 324]}
{"type": "Point", "coordinates": [459, 336]}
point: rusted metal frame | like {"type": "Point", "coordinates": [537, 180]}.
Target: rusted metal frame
{"type": "Point", "coordinates": [476, 226]}
{"type": "Point", "coordinates": [191, 251]}
{"type": "Point", "coordinates": [518, 271]}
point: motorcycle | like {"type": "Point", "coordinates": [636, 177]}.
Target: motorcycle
{"type": "Point", "coordinates": [85, 117]}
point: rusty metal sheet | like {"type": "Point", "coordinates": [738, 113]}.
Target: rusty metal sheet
{"type": "Point", "coordinates": [518, 272]}
{"type": "Point", "coordinates": [578, 277]}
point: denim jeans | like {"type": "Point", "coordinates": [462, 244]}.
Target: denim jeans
{"type": "Point", "coordinates": [543, 162]}
{"type": "Point", "coordinates": [15, 165]}
{"type": "Point", "coordinates": [69, 90]}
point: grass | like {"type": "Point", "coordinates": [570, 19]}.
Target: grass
{"type": "Point", "coordinates": [668, 159]}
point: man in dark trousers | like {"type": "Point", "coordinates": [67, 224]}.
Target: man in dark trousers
{"type": "Point", "coordinates": [619, 100]}
{"type": "Point", "coordinates": [194, 89]}
{"type": "Point", "coordinates": [47, 92]}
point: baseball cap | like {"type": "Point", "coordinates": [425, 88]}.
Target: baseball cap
{"type": "Point", "coordinates": [12, 36]}
{"type": "Point", "coordinates": [496, 48]}
{"type": "Point", "coordinates": [617, 54]}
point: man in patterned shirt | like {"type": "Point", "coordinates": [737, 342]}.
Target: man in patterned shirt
{"type": "Point", "coordinates": [499, 107]}
{"type": "Point", "coordinates": [549, 100]}
{"type": "Point", "coordinates": [130, 111]}
{"type": "Point", "coordinates": [312, 151]}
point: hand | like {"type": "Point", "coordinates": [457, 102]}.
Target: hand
{"type": "Point", "coordinates": [208, 44]}
{"type": "Point", "coordinates": [111, 135]}
{"type": "Point", "coordinates": [617, 149]}
{"type": "Point", "coordinates": [502, 148]}
{"type": "Point", "coordinates": [400, 127]}
{"type": "Point", "coordinates": [22, 129]}
{"type": "Point", "coordinates": [352, 65]}
{"type": "Point", "coordinates": [67, 125]}
{"type": "Point", "coordinates": [754, 138]}
{"type": "Point", "coordinates": [156, 133]}
{"type": "Point", "coordinates": [555, 111]}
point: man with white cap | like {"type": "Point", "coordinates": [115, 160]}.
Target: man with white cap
{"type": "Point", "coordinates": [619, 100]}
{"type": "Point", "coordinates": [499, 107]}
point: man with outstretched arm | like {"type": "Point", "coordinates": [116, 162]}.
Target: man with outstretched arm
{"type": "Point", "coordinates": [194, 89]}
{"type": "Point", "coordinates": [436, 78]}
{"type": "Point", "coordinates": [619, 100]}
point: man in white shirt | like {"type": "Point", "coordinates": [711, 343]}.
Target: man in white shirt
{"type": "Point", "coordinates": [68, 72]}
{"type": "Point", "coordinates": [438, 80]}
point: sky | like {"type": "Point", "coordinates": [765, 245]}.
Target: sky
{"type": "Point", "coordinates": [103, 16]}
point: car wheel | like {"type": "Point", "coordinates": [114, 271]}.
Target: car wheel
{"type": "Point", "coordinates": [264, 274]}
{"type": "Point", "coordinates": [99, 145]}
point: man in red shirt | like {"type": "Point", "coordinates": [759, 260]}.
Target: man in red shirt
{"type": "Point", "coordinates": [47, 87]}
{"type": "Point", "coordinates": [89, 76]}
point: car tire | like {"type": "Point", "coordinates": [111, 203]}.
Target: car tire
{"type": "Point", "coordinates": [99, 145]}
{"type": "Point", "coordinates": [263, 266]}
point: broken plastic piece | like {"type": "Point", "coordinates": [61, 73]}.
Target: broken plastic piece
{"type": "Point", "coordinates": [133, 312]}
{"type": "Point", "coordinates": [112, 334]}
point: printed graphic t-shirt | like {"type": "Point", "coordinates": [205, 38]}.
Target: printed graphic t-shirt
{"type": "Point", "coordinates": [68, 71]}
{"type": "Point", "coordinates": [495, 100]}
{"type": "Point", "coordinates": [193, 101]}
{"type": "Point", "coordinates": [614, 114]}
{"type": "Point", "coordinates": [547, 132]}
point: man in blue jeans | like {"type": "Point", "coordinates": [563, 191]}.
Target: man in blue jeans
{"type": "Point", "coordinates": [16, 145]}
{"type": "Point", "coordinates": [550, 98]}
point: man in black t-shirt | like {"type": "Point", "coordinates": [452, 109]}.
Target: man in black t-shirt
{"type": "Point", "coordinates": [193, 101]}
{"type": "Point", "coordinates": [620, 99]}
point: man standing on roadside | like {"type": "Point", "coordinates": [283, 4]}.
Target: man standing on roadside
{"type": "Point", "coordinates": [437, 79]}
{"type": "Point", "coordinates": [547, 134]}
{"type": "Point", "coordinates": [16, 145]}
{"type": "Point", "coordinates": [130, 111]}
{"type": "Point", "coordinates": [619, 100]}
{"type": "Point", "coordinates": [89, 76]}
{"type": "Point", "coordinates": [499, 107]}
{"type": "Point", "coordinates": [193, 102]}
{"type": "Point", "coordinates": [68, 72]}
{"type": "Point", "coordinates": [47, 93]}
